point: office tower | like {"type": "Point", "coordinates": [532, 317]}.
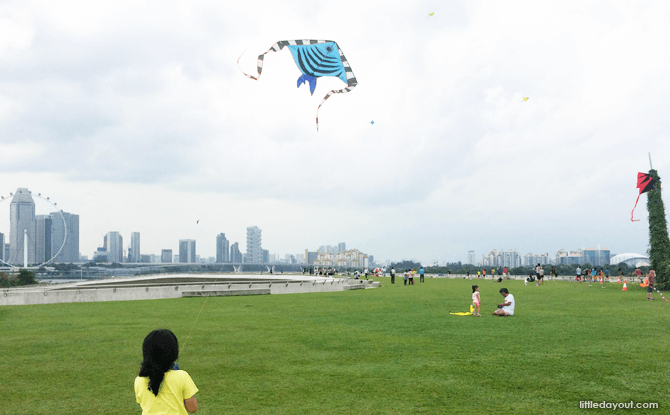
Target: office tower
{"type": "Point", "coordinates": [166, 256]}
{"type": "Point", "coordinates": [341, 247]}
{"type": "Point", "coordinates": [266, 256]}
{"type": "Point", "coordinates": [310, 257]}
{"type": "Point", "coordinates": [8, 251]}
{"type": "Point", "coordinates": [596, 257]}
{"type": "Point", "coordinates": [2, 246]}
{"type": "Point", "coordinates": [114, 247]}
{"type": "Point", "coordinates": [235, 254]}
{"type": "Point", "coordinates": [187, 251]}
{"type": "Point", "coordinates": [471, 257]}
{"type": "Point", "coordinates": [70, 251]}
{"type": "Point", "coordinates": [254, 250]}
{"type": "Point", "coordinates": [134, 255]}
{"type": "Point", "coordinates": [175, 258]}
{"type": "Point", "coordinates": [222, 248]}
{"type": "Point", "coordinates": [42, 238]}
{"type": "Point", "coordinates": [22, 222]}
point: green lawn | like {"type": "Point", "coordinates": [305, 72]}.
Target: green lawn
{"type": "Point", "coordinates": [390, 350]}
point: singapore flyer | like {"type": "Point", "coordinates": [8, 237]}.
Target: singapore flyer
{"type": "Point", "coordinates": [34, 230]}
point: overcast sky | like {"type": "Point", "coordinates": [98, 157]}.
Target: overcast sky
{"type": "Point", "coordinates": [135, 116]}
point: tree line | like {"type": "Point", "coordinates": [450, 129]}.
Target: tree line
{"type": "Point", "coordinates": [23, 277]}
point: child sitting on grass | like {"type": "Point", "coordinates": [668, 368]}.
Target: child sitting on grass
{"type": "Point", "coordinates": [161, 388]}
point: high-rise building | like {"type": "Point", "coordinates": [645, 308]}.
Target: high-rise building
{"type": "Point", "coordinates": [266, 256]}
{"type": "Point", "coordinates": [166, 256]}
{"type": "Point", "coordinates": [235, 254]}
{"type": "Point", "coordinates": [471, 257]}
{"type": "Point", "coordinates": [134, 255]}
{"type": "Point", "coordinates": [222, 248]}
{"type": "Point", "coordinates": [22, 222]}
{"type": "Point", "coordinates": [596, 257]}
{"type": "Point", "coordinates": [2, 246]}
{"type": "Point", "coordinates": [42, 238]}
{"type": "Point", "coordinates": [187, 251]}
{"type": "Point", "coordinates": [254, 249]}
{"type": "Point", "coordinates": [70, 251]}
{"type": "Point", "coordinates": [8, 251]}
{"type": "Point", "coordinates": [310, 257]}
{"type": "Point", "coordinates": [114, 247]}
{"type": "Point", "coordinates": [341, 247]}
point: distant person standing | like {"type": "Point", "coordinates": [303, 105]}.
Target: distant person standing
{"type": "Point", "coordinates": [479, 273]}
{"type": "Point", "coordinates": [650, 286]}
{"type": "Point", "coordinates": [578, 271]}
{"type": "Point", "coordinates": [468, 274]}
{"type": "Point", "coordinates": [476, 301]}
{"type": "Point", "coordinates": [405, 277]}
{"type": "Point", "coordinates": [505, 272]}
{"type": "Point", "coordinates": [392, 275]}
{"type": "Point", "coordinates": [484, 273]}
{"type": "Point", "coordinates": [421, 273]}
{"type": "Point", "coordinates": [411, 276]}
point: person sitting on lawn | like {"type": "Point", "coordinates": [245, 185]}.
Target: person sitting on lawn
{"type": "Point", "coordinates": [160, 387]}
{"type": "Point", "coordinates": [506, 308]}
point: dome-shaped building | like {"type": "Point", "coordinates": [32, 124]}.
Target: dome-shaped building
{"type": "Point", "coordinates": [631, 260]}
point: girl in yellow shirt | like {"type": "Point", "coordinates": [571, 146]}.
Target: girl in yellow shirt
{"type": "Point", "coordinates": [160, 387]}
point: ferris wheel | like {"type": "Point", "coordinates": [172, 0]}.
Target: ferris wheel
{"type": "Point", "coordinates": [25, 238]}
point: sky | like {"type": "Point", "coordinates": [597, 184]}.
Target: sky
{"type": "Point", "coordinates": [136, 116]}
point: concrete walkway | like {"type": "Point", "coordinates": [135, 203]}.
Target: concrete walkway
{"type": "Point", "coordinates": [154, 287]}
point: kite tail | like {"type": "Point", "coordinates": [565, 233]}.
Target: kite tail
{"type": "Point", "coordinates": [631, 213]}
{"type": "Point", "coordinates": [275, 48]}
{"type": "Point", "coordinates": [351, 84]}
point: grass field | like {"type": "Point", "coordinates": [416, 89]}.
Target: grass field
{"type": "Point", "coordinates": [390, 350]}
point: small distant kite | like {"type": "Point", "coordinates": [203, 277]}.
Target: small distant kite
{"type": "Point", "coordinates": [197, 222]}
{"type": "Point", "coordinates": [314, 58]}
{"type": "Point", "coordinates": [430, 14]}
{"type": "Point", "coordinates": [525, 99]}
{"type": "Point", "coordinates": [372, 122]}
{"type": "Point", "coordinates": [646, 183]}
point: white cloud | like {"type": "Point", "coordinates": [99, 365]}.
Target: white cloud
{"type": "Point", "coordinates": [127, 98]}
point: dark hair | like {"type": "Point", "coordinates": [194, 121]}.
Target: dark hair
{"type": "Point", "coordinates": [160, 350]}
{"type": "Point", "coordinates": [504, 290]}
{"type": "Point", "coordinates": [474, 287]}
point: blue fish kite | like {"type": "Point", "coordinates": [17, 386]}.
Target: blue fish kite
{"type": "Point", "coordinates": [315, 58]}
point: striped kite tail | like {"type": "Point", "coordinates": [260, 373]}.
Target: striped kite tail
{"type": "Point", "coordinates": [351, 84]}
{"type": "Point", "coordinates": [275, 48]}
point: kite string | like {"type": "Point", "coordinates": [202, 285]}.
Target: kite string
{"type": "Point", "coordinates": [631, 213]}
{"type": "Point", "coordinates": [194, 323]}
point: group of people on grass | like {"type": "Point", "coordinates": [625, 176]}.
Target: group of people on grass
{"type": "Point", "coordinates": [593, 274]}
{"type": "Point", "coordinates": [408, 276]}
{"type": "Point", "coordinates": [506, 308]}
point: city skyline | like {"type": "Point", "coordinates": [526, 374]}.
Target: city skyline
{"type": "Point", "coordinates": [120, 252]}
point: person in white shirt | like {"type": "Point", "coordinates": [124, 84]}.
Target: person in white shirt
{"type": "Point", "coordinates": [506, 308]}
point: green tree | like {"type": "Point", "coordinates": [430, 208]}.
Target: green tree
{"type": "Point", "coordinates": [659, 243]}
{"type": "Point", "coordinates": [5, 280]}
{"type": "Point", "coordinates": [26, 277]}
